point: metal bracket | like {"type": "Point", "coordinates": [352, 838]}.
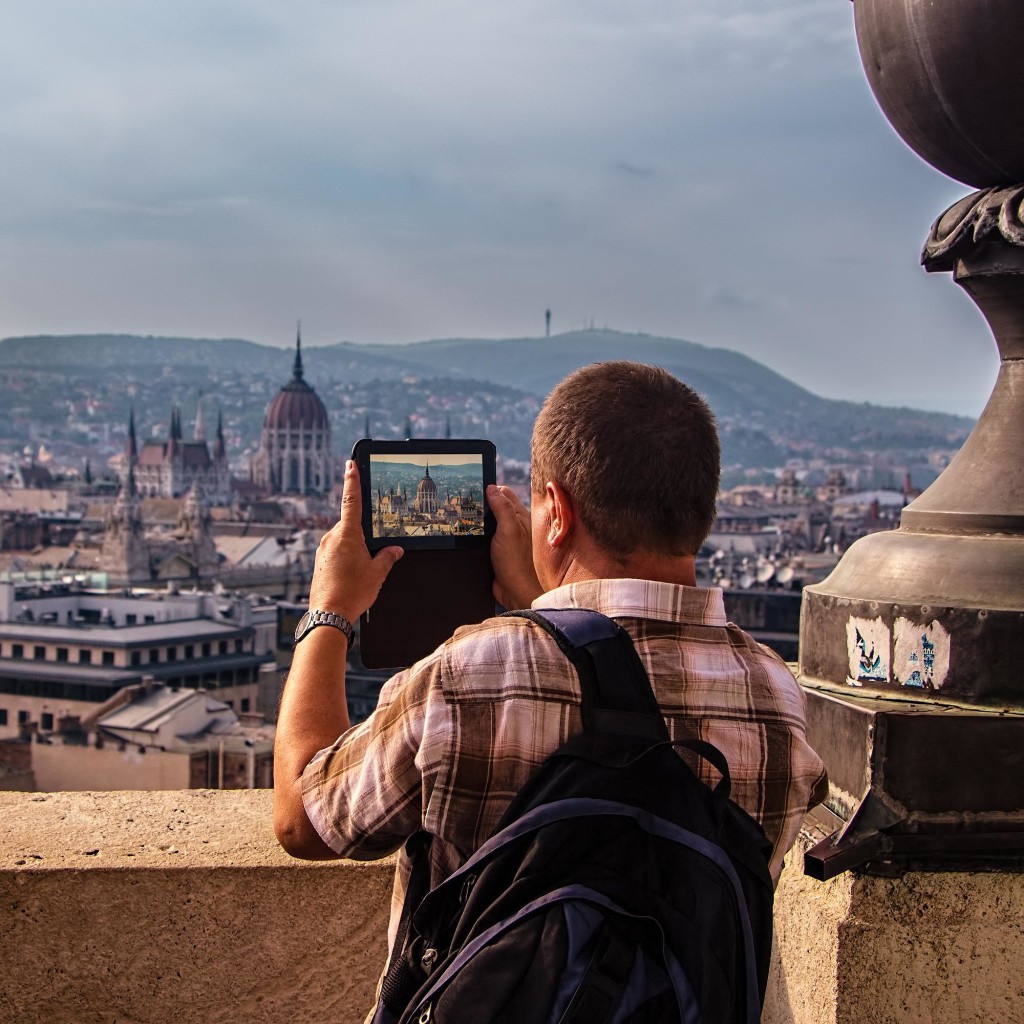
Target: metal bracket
{"type": "Point", "coordinates": [860, 840]}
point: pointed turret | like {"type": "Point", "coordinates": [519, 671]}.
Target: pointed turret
{"type": "Point", "coordinates": [129, 481]}
{"type": "Point", "coordinates": [192, 508]}
{"type": "Point", "coordinates": [132, 446]}
{"type": "Point", "coordinates": [199, 433]}
{"type": "Point", "coordinates": [297, 365]}
{"type": "Point", "coordinates": [219, 448]}
{"type": "Point", "coordinates": [125, 513]}
{"type": "Point", "coordinates": [175, 432]}
{"type": "Point", "coordinates": [131, 455]}
{"type": "Point", "coordinates": [124, 553]}
{"type": "Point", "coordinates": [172, 434]}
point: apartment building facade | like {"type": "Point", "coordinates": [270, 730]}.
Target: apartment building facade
{"type": "Point", "coordinates": [66, 648]}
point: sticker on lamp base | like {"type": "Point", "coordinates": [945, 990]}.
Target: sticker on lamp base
{"type": "Point", "coordinates": [920, 654]}
{"type": "Point", "coordinates": [867, 644]}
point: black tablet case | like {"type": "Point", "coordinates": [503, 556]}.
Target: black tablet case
{"type": "Point", "coordinates": [426, 597]}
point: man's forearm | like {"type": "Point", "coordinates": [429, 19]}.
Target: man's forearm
{"type": "Point", "coordinates": [313, 714]}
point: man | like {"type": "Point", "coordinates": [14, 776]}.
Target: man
{"type": "Point", "coordinates": [625, 467]}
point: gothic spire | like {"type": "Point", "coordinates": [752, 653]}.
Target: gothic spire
{"type": "Point", "coordinates": [132, 448]}
{"type": "Point", "coordinates": [174, 435]}
{"type": "Point", "coordinates": [129, 481]}
{"type": "Point", "coordinates": [297, 365]}
{"type": "Point", "coordinates": [220, 449]}
{"type": "Point", "coordinates": [199, 434]}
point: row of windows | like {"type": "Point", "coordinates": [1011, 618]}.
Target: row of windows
{"type": "Point", "coordinates": [44, 718]}
{"type": "Point", "coordinates": [85, 655]}
{"type": "Point", "coordinates": [56, 690]}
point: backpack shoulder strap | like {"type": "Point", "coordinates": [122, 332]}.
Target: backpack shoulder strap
{"type": "Point", "coordinates": [616, 691]}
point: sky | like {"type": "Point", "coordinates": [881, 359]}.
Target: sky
{"type": "Point", "coordinates": [437, 458]}
{"type": "Point", "coordinates": [400, 170]}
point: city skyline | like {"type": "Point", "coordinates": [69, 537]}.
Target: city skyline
{"type": "Point", "coordinates": [397, 172]}
{"type": "Point", "coordinates": [407, 500]}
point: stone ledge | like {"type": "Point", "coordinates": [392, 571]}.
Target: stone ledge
{"type": "Point", "coordinates": [157, 829]}
{"type": "Point", "coordinates": [142, 908]}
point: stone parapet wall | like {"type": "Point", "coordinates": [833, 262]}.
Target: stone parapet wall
{"type": "Point", "coordinates": [178, 906]}
{"type": "Point", "coordinates": [148, 907]}
{"type": "Point", "coordinates": [923, 948]}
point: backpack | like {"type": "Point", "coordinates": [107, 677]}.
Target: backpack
{"type": "Point", "coordinates": [616, 889]}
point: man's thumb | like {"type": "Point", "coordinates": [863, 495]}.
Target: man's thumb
{"type": "Point", "coordinates": [387, 557]}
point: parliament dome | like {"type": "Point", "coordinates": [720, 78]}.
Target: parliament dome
{"type": "Point", "coordinates": [426, 485]}
{"type": "Point", "coordinates": [294, 456]}
{"type": "Point", "coordinates": [426, 494]}
{"type": "Point", "coordinates": [297, 406]}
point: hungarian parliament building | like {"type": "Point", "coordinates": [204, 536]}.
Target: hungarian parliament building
{"type": "Point", "coordinates": [294, 455]}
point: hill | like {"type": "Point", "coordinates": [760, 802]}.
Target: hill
{"type": "Point", "coordinates": [474, 384]}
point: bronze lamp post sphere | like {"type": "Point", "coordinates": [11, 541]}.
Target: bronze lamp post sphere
{"type": "Point", "coordinates": [949, 76]}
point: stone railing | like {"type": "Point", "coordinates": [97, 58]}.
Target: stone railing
{"type": "Point", "coordinates": [149, 907]}
{"type": "Point", "coordinates": [179, 906]}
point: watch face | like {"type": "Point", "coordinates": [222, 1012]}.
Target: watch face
{"type": "Point", "coordinates": [300, 629]}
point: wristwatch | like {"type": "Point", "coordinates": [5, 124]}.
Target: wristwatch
{"type": "Point", "coordinates": [314, 617]}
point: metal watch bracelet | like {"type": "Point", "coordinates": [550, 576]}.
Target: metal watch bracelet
{"type": "Point", "coordinates": [315, 617]}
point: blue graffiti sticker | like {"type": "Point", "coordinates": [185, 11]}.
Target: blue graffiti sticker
{"type": "Point", "coordinates": [867, 644]}
{"type": "Point", "coordinates": [920, 654]}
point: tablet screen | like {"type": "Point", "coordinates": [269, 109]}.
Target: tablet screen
{"type": "Point", "coordinates": [420, 494]}
{"type": "Point", "coordinates": [426, 494]}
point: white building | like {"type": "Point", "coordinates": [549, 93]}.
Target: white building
{"type": "Point", "coordinates": [65, 649]}
{"type": "Point", "coordinates": [154, 737]}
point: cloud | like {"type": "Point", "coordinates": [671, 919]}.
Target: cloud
{"type": "Point", "coordinates": [396, 170]}
{"type": "Point", "coordinates": [633, 170]}
{"type": "Point", "coordinates": [729, 298]}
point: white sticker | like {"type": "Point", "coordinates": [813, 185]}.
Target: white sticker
{"type": "Point", "coordinates": [920, 654]}
{"type": "Point", "coordinates": [867, 644]}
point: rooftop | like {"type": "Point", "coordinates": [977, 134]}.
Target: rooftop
{"type": "Point", "coordinates": [119, 636]}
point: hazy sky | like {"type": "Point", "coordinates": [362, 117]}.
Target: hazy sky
{"type": "Point", "coordinates": [437, 459]}
{"type": "Point", "coordinates": [397, 170]}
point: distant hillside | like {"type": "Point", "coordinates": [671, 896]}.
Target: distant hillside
{"type": "Point", "coordinates": [729, 380]}
{"type": "Point", "coordinates": [764, 417]}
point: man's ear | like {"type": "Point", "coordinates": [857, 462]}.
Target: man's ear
{"type": "Point", "coordinates": [561, 514]}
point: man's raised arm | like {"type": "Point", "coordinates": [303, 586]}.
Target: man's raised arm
{"type": "Point", "coordinates": [314, 712]}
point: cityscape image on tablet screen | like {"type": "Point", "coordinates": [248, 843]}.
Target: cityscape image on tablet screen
{"type": "Point", "coordinates": [427, 495]}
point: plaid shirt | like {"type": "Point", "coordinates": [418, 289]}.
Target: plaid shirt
{"type": "Point", "coordinates": [456, 736]}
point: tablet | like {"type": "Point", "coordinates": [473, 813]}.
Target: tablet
{"type": "Point", "coordinates": [427, 496]}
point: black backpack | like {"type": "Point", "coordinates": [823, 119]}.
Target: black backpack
{"type": "Point", "coordinates": [617, 888]}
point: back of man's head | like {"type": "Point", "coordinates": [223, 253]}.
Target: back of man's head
{"type": "Point", "coordinates": [638, 452]}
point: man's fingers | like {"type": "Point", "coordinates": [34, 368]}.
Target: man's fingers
{"type": "Point", "coordinates": [352, 501]}
{"type": "Point", "coordinates": [506, 505]}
